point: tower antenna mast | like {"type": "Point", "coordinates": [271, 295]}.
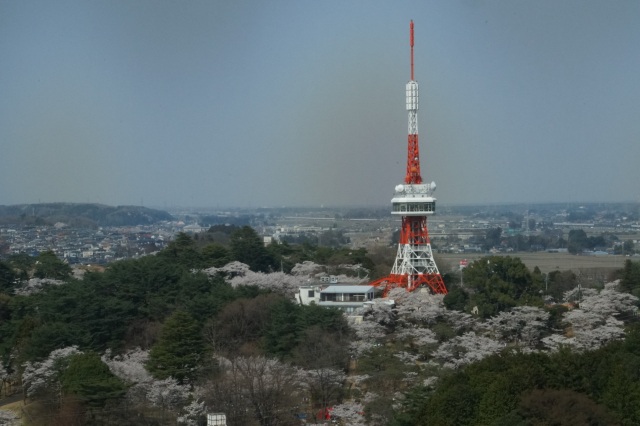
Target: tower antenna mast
{"type": "Point", "coordinates": [414, 266]}
{"type": "Point", "coordinates": [411, 44]}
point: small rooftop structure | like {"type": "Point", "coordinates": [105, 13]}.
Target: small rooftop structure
{"type": "Point", "coordinates": [217, 419]}
{"type": "Point", "coordinates": [332, 279]}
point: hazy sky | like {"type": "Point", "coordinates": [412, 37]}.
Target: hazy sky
{"type": "Point", "coordinates": [301, 103]}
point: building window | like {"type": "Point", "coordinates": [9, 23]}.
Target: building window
{"type": "Point", "coordinates": [311, 293]}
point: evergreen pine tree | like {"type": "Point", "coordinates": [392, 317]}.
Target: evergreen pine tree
{"type": "Point", "coordinates": [179, 349]}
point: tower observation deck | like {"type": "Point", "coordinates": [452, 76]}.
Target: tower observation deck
{"type": "Point", "coordinates": [413, 200]}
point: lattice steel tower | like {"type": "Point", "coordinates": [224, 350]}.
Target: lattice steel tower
{"type": "Point", "coordinates": [413, 200]}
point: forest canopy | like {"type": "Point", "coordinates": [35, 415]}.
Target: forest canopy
{"type": "Point", "coordinates": [193, 329]}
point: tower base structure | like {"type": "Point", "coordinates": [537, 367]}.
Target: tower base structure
{"type": "Point", "coordinates": [414, 266]}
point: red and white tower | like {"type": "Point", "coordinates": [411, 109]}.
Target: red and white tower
{"type": "Point", "coordinates": [414, 266]}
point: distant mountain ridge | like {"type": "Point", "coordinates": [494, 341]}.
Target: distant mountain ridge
{"type": "Point", "coordinates": [81, 214]}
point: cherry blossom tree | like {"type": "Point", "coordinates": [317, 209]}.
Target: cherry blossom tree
{"type": "Point", "coordinates": [576, 294]}
{"type": "Point", "coordinates": [4, 377]}
{"type": "Point", "coordinates": [595, 323]}
{"type": "Point", "coordinates": [587, 339]}
{"type": "Point", "coordinates": [379, 313]}
{"type": "Point", "coordinates": [417, 335]}
{"type": "Point", "coordinates": [167, 394]}
{"type": "Point", "coordinates": [239, 274]}
{"type": "Point", "coordinates": [465, 349]}
{"type": "Point", "coordinates": [461, 321]}
{"type": "Point", "coordinates": [43, 377]}
{"type": "Point", "coordinates": [349, 413]}
{"type": "Point", "coordinates": [422, 310]}
{"type": "Point", "coordinates": [407, 357]}
{"type": "Point", "coordinates": [9, 418]}
{"type": "Point", "coordinates": [306, 269]}
{"type": "Point", "coordinates": [143, 388]}
{"type": "Point", "coordinates": [129, 366]}
{"type": "Point", "coordinates": [609, 301]}
{"type": "Point", "coordinates": [278, 282]}
{"type": "Point", "coordinates": [358, 348]}
{"type": "Point", "coordinates": [192, 413]}
{"type": "Point", "coordinates": [232, 269]}
{"type": "Point", "coordinates": [523, 325]}
{"type": "Point", "coordinates": [35, 285]}
{"type": "Point", "coordinates": [419, 306]}
{"type": "Point", "coordinates": [588, 331]}
{"type": "Point", "coordinates": [369, 332]}
{"type": "Point", "coordinates": [356, 380]}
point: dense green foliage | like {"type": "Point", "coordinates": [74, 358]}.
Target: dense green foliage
{"type": "Point", "coordinates": [88, 378]}
{"type": "Point", "coordinates": [179, 350]}
{"type": "Point", "coordinates": [578, 241]}
{"type": "Point", "coordinates": [21, 263]}
{"type": "Point", "coordinates": [497, 283]}
{"type": "Point", "coordinates": [49, 266]}
{"type": "Point", "coordinates": [546, 238]}
{"type": "Point", "coordinates": [592, 388]}
{"type": "Point", "coordinates": [247, 247]}
{"type": "Point", "coordinates": [7, 278]}
{"type": "Point", "coordinates": [630, 280]}
{"type": "Point", "coordinates": [558, 282]}
{"type": "Point", "coordinates": [289, 322]}
{"type": "Point", "coordinates": [126, 305]}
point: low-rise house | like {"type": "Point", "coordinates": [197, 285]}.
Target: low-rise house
{"type": "Point", "coordinates": [345, 297]}
{"type": "Point", "coordinates": [308, 294]}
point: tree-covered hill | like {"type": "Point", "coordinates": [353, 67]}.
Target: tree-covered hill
{"type": "Point", "coordinates": [168, 326]}
{"type": "Point", "coordinates": [81, 214]}
{"type": "Point", "coordinates": [210, 326]}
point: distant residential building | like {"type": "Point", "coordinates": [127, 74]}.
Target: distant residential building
{"type": "Point", "coordinates": [194, 229]}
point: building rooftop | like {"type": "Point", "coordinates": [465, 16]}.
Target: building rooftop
{"type": "Point", "coordinates": [348, 289]}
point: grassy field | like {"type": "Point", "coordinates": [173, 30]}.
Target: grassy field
{"type": "Point", "coordinates": [547, 262]}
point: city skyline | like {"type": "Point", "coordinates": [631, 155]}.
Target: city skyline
{"type": "Point", "coordinates": [250, 104]}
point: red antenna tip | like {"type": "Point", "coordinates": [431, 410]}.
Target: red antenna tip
{"type": "Point", "coordinates": [411, 36]}
{"type": "Point", "coordinates": [411, 44]}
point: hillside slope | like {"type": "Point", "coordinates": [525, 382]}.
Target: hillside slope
{"type": "Point", "coordinates": [81, 214]}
